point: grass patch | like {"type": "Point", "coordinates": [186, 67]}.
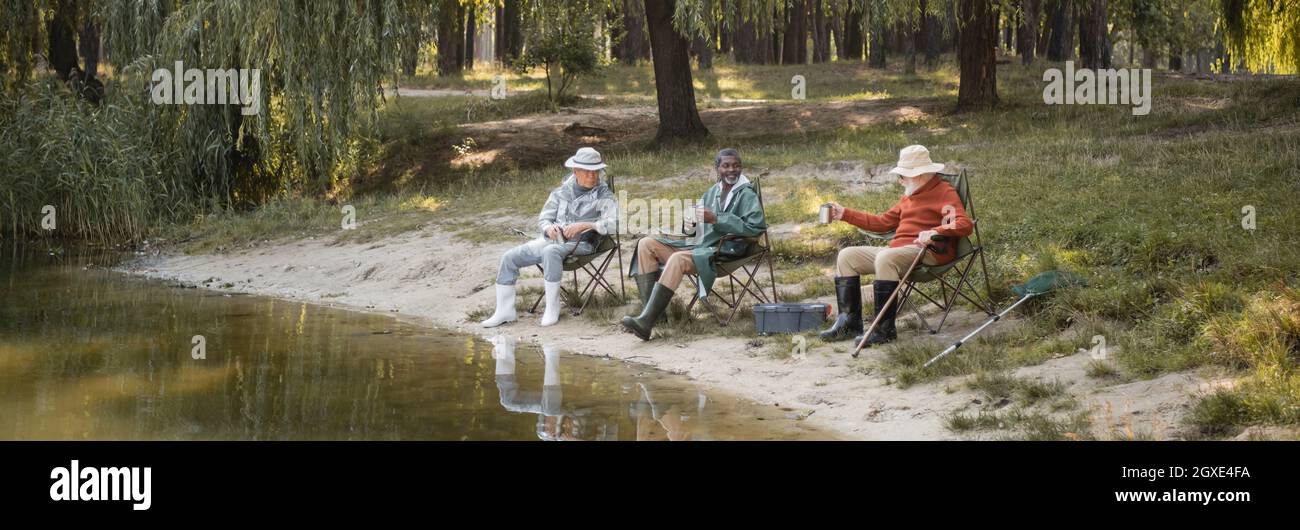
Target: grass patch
{"type": "Point", "coordinates": [1099, 369]}
{"type": "Point", "coordinates": [1031, 342]}
{"type": "Point", "coordinates": [1020, 424]}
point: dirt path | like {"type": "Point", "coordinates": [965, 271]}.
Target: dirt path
{"type": "Point", "coordinates": [543, 138]}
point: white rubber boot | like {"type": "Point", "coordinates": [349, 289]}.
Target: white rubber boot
{"type": "Point", "coordinates": [552, 313]}
{"type": "Point", "coordinates": [505, 307]}
{"type": "Point", "coordinates": [503, 351]}
{"type": "Point", "coordinates": [551, 375]}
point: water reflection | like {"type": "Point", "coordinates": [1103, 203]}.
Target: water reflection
{"type": "Point", "coordinates": [87, 353]}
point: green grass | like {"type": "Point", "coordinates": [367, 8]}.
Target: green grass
{"type": "Point", "coordinates": [1019, 424]}
{"type": "Point", "coordinates": [1099, 369]}
{"type": "Point", "coordinates": [998, 386]}
{"type": "Point", "coordinates": [1264, 339]}
{"type": "Point", "coordinates": [726, 80]}
{"type": "Point", "coordinates": [1032, 342]}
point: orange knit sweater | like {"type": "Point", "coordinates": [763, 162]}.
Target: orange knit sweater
{"type": "Point", "coordinates": [935, 206]}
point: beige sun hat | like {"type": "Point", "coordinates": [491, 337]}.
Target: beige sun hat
{"type": "Point", "coordinates": [586, 158]}
{"type": "Point", "coordinates": [915, 160]}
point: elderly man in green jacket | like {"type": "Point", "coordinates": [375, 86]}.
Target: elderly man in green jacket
{"type": "Point", "coordinates": [731, 206]}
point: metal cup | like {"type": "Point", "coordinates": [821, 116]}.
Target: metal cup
{"type": "Point", "coordinates": [824, 214]}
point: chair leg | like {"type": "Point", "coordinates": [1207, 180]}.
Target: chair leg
{"type": "Point", "coordinates": [537, 303]}
{"type": "Point", "coordinates": [622, 286]}
{"type": "Point", "coordinates": [988, 286]}
{"type": "Point", "coordinates": [906, 296]}
{"type": "Point", "coordinates": [750, 285]}
{"type": "Point", "coordinates": [771, 276]}
{"type": "Point", "coordinates": [596, 278]}
{"type": "Point", "coordinates": [540, 296]}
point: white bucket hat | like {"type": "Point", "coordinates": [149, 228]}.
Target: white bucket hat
{"type": "Point", "coordinates": [914, 160]}
{"type": "Point", "coordinates": [585, 158]}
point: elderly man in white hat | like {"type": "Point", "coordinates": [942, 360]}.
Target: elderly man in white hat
{"type": "Point", "coordinates": [576, 215]}
{"type": "Point", "coordinates": [929, 208]}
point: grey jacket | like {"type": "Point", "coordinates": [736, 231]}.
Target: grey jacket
{"type": "Point", "coordinates": [563, 208]}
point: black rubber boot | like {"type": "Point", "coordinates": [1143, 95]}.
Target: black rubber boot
{"type": "Point", "coordinates": [642, 324]}
{"type": "Point", "coordinates": [885, 331]}
{"type": "Point", "coordinates": [848, 320]}
{"type": "Point", "coordinates": [644, 284]}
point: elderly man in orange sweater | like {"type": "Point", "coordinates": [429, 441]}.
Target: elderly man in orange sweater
{"type": "Point", "coordinates": [929, 207]}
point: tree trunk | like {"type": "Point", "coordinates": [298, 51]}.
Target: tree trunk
{"type": "Point", "coordinates": [1093, 39]}
{"type": "Point", "coordinates": [632, 43]}
{"type": "Point", "coordinates": [977, 43]}
{"type": "Point", "coordinates": [449, 39]}
{"type": "Point", "coordinates": [876, 44]}
{"type": "Point", "coordinates": [88, 46]}
{"type": "Point", "coordinates": [678, 117]}
{"type": "Point", "coordinates": [702, 49]}
{"type": "Point", "coordinates": [744, 40]}
{"type": "Point", "coordinates": [934, 40]}
{"type": "Point", "coordinates": [470, 30]}
{"type": "Point", "coordinates": [772, 43]}
{"type": "Point", "coordinates": [837, 35]}
{"type": "Point", "coordinates": [919, 38]}
{"type": "Point", "coordinates": [62, 51]}
{"type": "Point", "coordinates": [1060, 44]}
{"type": "Point", "coordinates": [852, 43]}
{"type": "Point", "coordinates": [1027, 43]}
{"type": "Point", "coordinates": [908, 36]}
{"type": "Point", "coordinates": [821, 33]}
{"type": "Point", "coordinates": [795, 35]}
{"type": "Point", "coordinates": [724, 34]}
{"type": "Point", "coordinates": [509, 31]}
{"type": "Point", "coordinates": [1046, 10]}
{"type": "Point", "coordinates": [1008, 26]}
{"type": "Point", "coordinates": [410, 59]}
{"type": "Point", "coordinates": [460, 36]}
{"type": "Point", "coordinates": [499, 35]}
{"type": "Point", "coordinates": [950, 23]}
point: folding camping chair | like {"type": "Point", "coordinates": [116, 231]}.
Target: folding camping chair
{"type": "Point", "coordinates": [760, 250]}
{"type": "Point", "coordinates": [609, 246]}
{"type": "Point", "coordinates": [967, 253]}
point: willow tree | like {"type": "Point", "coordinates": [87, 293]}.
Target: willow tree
{"type": "Point", "coordinates": [1264, 34]}
{"type": "Point", "coordinates": [322, 65]}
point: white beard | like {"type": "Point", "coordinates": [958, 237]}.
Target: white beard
{"type": "Point", "coordinates": [911, 185]}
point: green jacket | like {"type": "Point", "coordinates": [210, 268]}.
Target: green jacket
{"type": "Point", "coordinates": [742, 215]}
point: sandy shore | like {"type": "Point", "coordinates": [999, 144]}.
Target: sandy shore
{"type": "Point", "coordinates": [437, 278]}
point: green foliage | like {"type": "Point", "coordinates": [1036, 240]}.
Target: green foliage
{"type": "Point", "coordinates": [1265, 34]}
{"type": "Point", "coordinates": [565, 50]}
{"type": "Point", "coordinates": [108, 174]}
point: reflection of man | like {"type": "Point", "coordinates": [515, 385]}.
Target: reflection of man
{"type": "Point", "coordinates": [659, 419]}
{"type": "Point", "coordinates": [548, 401]}
{"type": "Point", "coordinates": [554, 422]}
